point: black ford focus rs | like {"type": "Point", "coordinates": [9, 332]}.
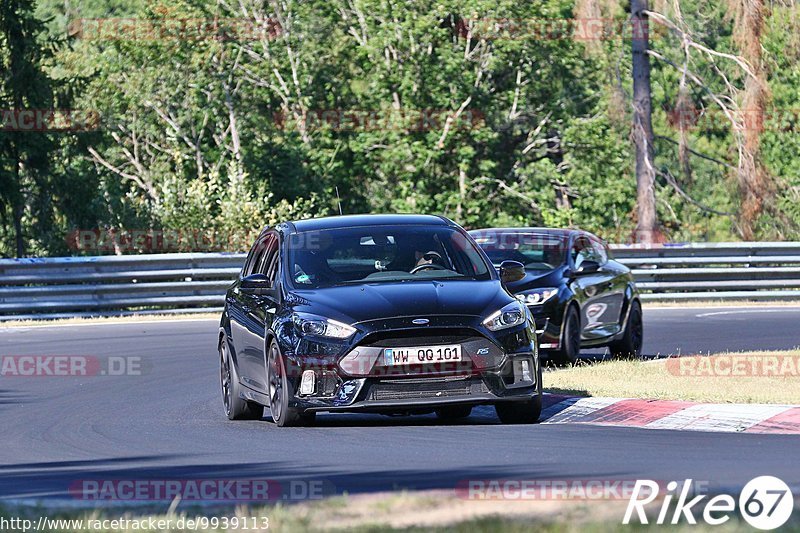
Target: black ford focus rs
{"type": "Point", "coordinates": [579, 296]}
{"type": "Point", "coordinates": [396, 314]}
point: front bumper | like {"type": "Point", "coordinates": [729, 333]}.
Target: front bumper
{"type": "Point", "coordinates": [409, 393]}
{"type": "Point", "coordinates": [503, 368]}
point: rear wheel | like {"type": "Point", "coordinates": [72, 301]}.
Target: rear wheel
{"type": "Point", "coordinates": [527, 412]}
{"type": "Point", "coordinates": [236, 408]}
{"type": "Point", "coordinates": [630, 345]}
{"type": "Point", "coordinates": [571, 339]}
{"type": "Point", "coordinates": [454, 412]}
{"type": "Point", "coordinates": [279, 394]}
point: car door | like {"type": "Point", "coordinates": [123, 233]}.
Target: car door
{"type": "Point", "coordinates": [262, 311]}
{"type": "Point", "coordinates": [590, 289]}
{"type": "Point", "coordinates": [237, 304]}
{"type": "Point", "coordinates": [248, 332]}
{"type": "Point", "coordinates": [611, 292]}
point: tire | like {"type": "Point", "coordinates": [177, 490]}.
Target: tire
{"type": "Point", "coordinates": [235, 407]}
{"type": "Point", "coordinates": [527, 412]}
{"type": "Point", "coordinates": [454, 412]}
{"type": "Point", "coordinates": [630, 345]}
{"type": "Point", "coordinates": [571, 339]}
{"type": "Point", "coordinates": [278, 387]}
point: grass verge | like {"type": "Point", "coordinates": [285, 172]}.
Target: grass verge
{"type": "Point", "coordinates": [745, 377]}
{"type": "Point", "coordinates": [682, 304]}
{"type": "Point", "coordinates": [427, 511]}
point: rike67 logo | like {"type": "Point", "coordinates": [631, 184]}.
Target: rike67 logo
{"type": "Point", "coordinates": [765, 503]}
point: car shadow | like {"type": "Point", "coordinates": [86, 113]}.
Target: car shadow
{"type": "Point", "coordinates": [482, 415]}
{"type": "Point", "coordinates": [567, 393]}
{"type": "Point", "coordinates": [63, 481]}
{"type": "Point", "coordinates": [591, 358]}
{"type": "Point", "coordinates": [12, 397]}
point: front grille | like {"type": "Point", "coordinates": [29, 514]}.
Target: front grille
{"type": "Point", "coordinates": [415, 388]}
{"type": "Point", "coordinates": [419, 337]}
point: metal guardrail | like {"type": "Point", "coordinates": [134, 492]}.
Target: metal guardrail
{"type": "Point", "coordinates": [195, 282]}
{"type": "Point", "coordinates": [64, 287]}
{"type": "Point", "coordinates": [758, 271]}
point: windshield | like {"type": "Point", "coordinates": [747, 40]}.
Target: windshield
{"type": "Point", "coordinates": [537, 251]}
{"type": "Point", "coordinates": [382, 254]}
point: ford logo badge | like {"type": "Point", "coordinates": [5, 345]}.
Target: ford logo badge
{"type": "Point", "coordinates": [421, 321]}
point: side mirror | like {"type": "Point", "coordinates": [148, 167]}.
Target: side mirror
{"type": "Point", "coordinates": [588, 267]}
{"type": "Point", "coordinates": [255, 284]}
{"type": "Point", "coordinates": [511, 271]}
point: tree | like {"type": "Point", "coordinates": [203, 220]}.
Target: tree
{"type": "Point", "coordinates": [24, 155]}
{"type": "Point", "coordinates": [647, 224]}
{"type": "Point", "coordinates": [755, 187]}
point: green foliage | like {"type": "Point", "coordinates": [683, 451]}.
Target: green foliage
{"type": "Point", "coordinates": [25, 179]}
{"type": "Point", "coordinates": [401, 106]}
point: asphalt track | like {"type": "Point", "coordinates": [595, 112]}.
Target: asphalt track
{"type": "Point", "coordinates": [167, 423]}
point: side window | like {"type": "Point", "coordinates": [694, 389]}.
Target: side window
{"type": "Point", "coordinates": [600, 252]}
{"type": "Point", "coordinates": [581, 251]}
{"type": "Point", "coordinates": [272, 260]}
{"type": "Point", "coordinates": [269, 246]}
{"type": "Point", "coordinates": [257, 256]}
{"type": "Point", "coordinates": [253, 258]}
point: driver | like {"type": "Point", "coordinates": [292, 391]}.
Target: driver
{"type": "Point", "coordinates": [428, 258]}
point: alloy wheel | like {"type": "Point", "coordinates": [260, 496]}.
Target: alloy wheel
{"type": "Point", "coordinates": [275, 384]}
{"type": "Point", "coordinates": [225, 377]}
{"type": "Point", "coordinates": [637, 332]}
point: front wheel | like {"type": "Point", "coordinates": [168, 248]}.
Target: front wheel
{"type": "Point", "coordinates": [571, 339]}
{"type": "Point", "coordinates": [630, 345]}
{"type": "Point", "coordinates": [282, 414]}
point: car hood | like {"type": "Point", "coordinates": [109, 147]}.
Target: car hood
{"type": "Point", "coordinates": [359, 303]}
{"type": "Point", "coordinates": [538, 278]}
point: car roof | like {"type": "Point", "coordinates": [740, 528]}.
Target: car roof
{"type": "Point", "coordinates": [350, 221]}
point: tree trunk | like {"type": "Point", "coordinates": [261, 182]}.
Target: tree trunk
{"type": "Point", "coordinates": [462, 195]}
{"type": "Point", "coordinates": [18, 205]}
{"type": "Point", "coordinates": [755, 184]}
{"type": "Point", "coordinates": [647, 225]}
{"type": "Point", "coordinates": [19, 239]}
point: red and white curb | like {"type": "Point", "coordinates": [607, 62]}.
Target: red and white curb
{"type": "Point", "coordinates": [665, 414]}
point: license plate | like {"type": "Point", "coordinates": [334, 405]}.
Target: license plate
{"type": "Point", "coordinates": [421, 355]}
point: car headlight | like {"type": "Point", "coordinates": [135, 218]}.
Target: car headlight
{"type": "Point", "coordinates": [320, 326]}
{"type": "Point", "coordinates": [537, 296]}
{"type": "Point", "coordinates": [514, 314]}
